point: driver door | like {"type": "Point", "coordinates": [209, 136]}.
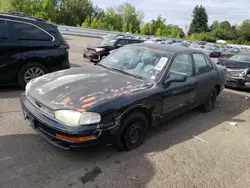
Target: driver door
{"type": "Point", "coordinates": [178, 97]}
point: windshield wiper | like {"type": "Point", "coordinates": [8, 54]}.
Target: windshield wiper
{"type": "Point", "coordinates": [124, 72]}
{"type": "Point", "coordinates": [119, 70]}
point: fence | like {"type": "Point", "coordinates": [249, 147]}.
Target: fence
{"type": "Point", "coordinates": [68, 30]}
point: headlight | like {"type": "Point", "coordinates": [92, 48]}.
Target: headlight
{"type": "Point", "coordinates": [27, 88]}
{"type": "Point", "coordinates": [73, 118]}
{"type": "Point", "coordinates": [244, 73]}
{"type": "Point", "coordinates": [99, 49]}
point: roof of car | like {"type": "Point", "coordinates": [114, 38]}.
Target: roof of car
{"type": "Point", "coordinates": [166, 48]}
{"type": "Point", "coordinates": [22, 17]}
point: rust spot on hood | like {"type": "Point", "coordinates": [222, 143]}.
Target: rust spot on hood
{"type": "Point", "coordinates": [88, 99]}
{"type": "Point", "coordinates": [81, 98]}
{"type": "Point", "coordinates": [59, 95]}
{"type": "Point", "coordinates": [88, 105]}
{"type": "Point", "coordinates": [67, 100]}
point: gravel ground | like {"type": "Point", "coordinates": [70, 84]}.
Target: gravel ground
{"type": "Point", "coordinates": [193, 150]}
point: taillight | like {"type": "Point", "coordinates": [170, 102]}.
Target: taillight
{"type": "Point", "coordinates": [67, 48]}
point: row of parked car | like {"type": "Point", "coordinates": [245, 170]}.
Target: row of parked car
{"type": "Point", "coordinates": [110, 43]}
{"type": "Point", "coordinates": [112, 102]}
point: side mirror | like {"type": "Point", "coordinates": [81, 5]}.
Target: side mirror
{"type": "Point", "coordinates": [175, 78]}
{"type": "Point", "coordinates": [118, 45]}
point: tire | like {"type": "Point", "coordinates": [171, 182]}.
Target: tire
{"type": "Point", "coordinates": [132, 132]}
{"type": "Point", "coordinates": [24, 72]}
{"type": "Point", "coordinates": [210, 102]}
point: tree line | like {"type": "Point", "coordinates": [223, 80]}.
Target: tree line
{"type": "Point", "coordinates": [126, 18]}
{"type": "Point", "coordinates": [199, 29]}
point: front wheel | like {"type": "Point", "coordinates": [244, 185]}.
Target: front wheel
{"type": "Point", "coordinates": [210, 102]}
{"type": "Point", "coordinates": [29, 72]}
{"type": "Point", "coordinates": [132, 132]}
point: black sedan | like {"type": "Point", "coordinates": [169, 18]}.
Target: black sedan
{"type": "Point", "coordinates": [117, 100]}
{"type": "Point", "coordinates": [238, 67]}
{"type": "Point", "coordinates": [230, 52]}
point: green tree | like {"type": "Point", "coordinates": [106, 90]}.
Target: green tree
{"type": "Point", "coordinates": [244, 30]}
{"type": "Point", "coordinates": [158, 32]}
{"type": "Point", "coordinates": [86, 23]}
{"type": "Point", "coordinates": [73, 12]}
{"type": "Point", "coordinates": [200, 20]}
{"type": "Point", "coordinates": [146, 30]}
{"type": "Point", "coordinates": [158, 23]}
{"type": "Point", "coordinates": [113, 18]}
{"type": "Point", "coordinates": [131, 18]}
{"type": "Point", "coordinates": [215, 25]}
{"type": "Point", "coordinates": [225, 25]}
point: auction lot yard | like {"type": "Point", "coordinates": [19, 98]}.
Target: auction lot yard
{"type": "Point", "coordinates": [193, 150]}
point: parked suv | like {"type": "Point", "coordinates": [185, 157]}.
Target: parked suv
{"type": "Point", "coordinates": [97, 52]}
{"type": "Point", "coordinates": [29, 47]}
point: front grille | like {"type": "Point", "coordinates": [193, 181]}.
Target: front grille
{"type": "Point", "coordinates": [91, 50]}
{"type": "Point", "coordinates": [235, 73]}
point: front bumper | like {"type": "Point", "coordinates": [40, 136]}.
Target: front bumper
{"type": "Point", "coordinates": [49, 128]}
{"type": "Point", "coordinates": [93, 55]}
{"type": "Point", "coordinates": [238, 82]}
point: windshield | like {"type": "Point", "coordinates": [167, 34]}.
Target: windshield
{"type": "Point", "coordinates": [141, 62]}
{"type": "Point", "coordinates": [108, 41]}
{"type": "Point", "coordinates": [241, 57]}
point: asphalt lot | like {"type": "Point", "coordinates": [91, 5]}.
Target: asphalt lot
{"type": "Point", "coordinates": [193, 150]}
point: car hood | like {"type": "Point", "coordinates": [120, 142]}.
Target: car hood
{"type": "Point", "coordinates": [83, 88]}
{"type": "Point", "coordinates": [234, 64]}
{"type": "Point", "coordinates": [94, 46]}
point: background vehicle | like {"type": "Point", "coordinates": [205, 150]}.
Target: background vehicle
{"type": "Point", "coordinates": [221, 48]}
{"type": "Point", "coordinates": [180, 44]}
{"type": "Point", "coordinates": [117, 100]}
{"type": "Point", "coordinates": [156, 40]}
{"type": "Point", "coordinates": [29, 48]}
{"type": "Point", "coordinates": [230, 52]}
{"type": "Point", "coordinates": [238, 67]}
{"type": "Point", "coordinates": [97, 52]}
{"type": "Point", "coordinates": [211, 51]}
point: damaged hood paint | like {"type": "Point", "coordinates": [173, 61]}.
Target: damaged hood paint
{"type": "Point", "coordinates": [83, 88]}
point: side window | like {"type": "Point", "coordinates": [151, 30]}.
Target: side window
{"type": "Point", "coordinates": [23, 31]}
{"type": "Point", "coordinates": [122, 42]}
{"type": "Point", "coordinates": [200, 64]}
{"type": "Point", "coordinates": [3, 30]}
{"type": "Point", "coordinates": [210, 66]}
{"type": "Point", "coordinates": [182, 65]}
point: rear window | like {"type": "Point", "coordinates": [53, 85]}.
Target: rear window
{"type": "Point", "coordinates": [3, 31]}
{"type": "Point", "coordinates": [25, 31]}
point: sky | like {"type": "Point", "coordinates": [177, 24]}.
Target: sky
{"type": "Point", "coordinates": [179, 12]}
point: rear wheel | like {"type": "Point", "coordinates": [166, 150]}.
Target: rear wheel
{"type": "Point", "coordinates": [132, 132]}
{"type": "Point", "coordinates": [210, 102]}
{"type": "Point", "coordinates": [29, 72]}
